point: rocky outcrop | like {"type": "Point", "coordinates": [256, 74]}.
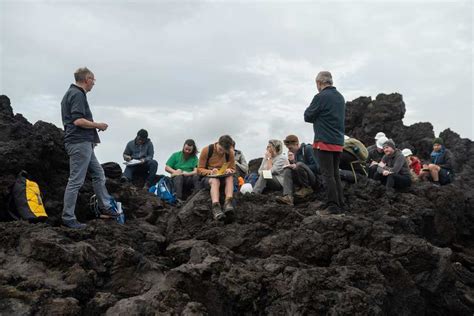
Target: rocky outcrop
{"type": "Point", "coordinates": [407, 254]}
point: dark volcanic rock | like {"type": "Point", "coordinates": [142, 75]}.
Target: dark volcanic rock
{"type": "Point", "coordinates": [408, 254]}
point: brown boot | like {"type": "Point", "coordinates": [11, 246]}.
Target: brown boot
{"type": "Point", "coordinates": [217, 212]}
{"type": "Point", "coordinates": [304, 192]}
{"type": "Point", "coordinates": [228, 206]}
{"type": "Point", "coordinates": [285, 199]}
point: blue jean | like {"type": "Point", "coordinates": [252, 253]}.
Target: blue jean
{"type": "Point", "coordinates": [81, 160]}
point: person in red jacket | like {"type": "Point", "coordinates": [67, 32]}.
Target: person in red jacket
{"type": "Point", "coordinates": [413, 162]}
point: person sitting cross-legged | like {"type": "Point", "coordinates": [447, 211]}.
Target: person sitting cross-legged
{"type": "Point", "coordinates": [140, 148]}
{"type": "Point", "coordinates": [182, 165]}
{"type": "Point", "coordinates": [301, 170]}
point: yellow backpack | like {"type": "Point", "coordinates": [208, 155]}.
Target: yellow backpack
{"type": "Point", "coordinates": [27, 199]}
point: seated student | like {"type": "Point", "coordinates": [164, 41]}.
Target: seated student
{"type": "Point", "coordinates": [440, 170]}
{"type": "Point", "coordinates": [211, 160]}
{"type": "Point", "coordinates": [301, 171]}
{"type": "Point", "coordinates": [242, 167]}
{"type": "Point", "coordinates": [275, 162]}
{"type": "Point", "coordinates": [140, 148]}
{"type": "Point", "coordinates": [182, 165]}
{"type": "Point", "coordinates": [376, 154]}
{"type": "Point", "coordinates": [413, 163]}
{"type": "Point", "coordinates": [393, 169]}
{"type": "Point", "coordinates": [353, 158]}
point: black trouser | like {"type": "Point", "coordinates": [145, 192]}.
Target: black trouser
{"type": "Point", "coordinates": [373, 171]}
{"type": "Point", "coordinates": [301, 176]}
{"type": "Point", "coordinates": [394, 181]}
{"type": "Point", "coordinates": [181, 182]}
{"type": "Point", "coordinates": [329, 162]}
{"type": "Point", "coordinates": [149, 167]}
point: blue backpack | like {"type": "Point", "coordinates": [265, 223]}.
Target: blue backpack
{"type": "Point", "coordinates": [164, 190]}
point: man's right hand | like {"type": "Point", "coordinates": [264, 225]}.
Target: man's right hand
{"type": "Point", "coordinates": [127, 158]}
{"type": "Point", "coordinates": [101, 126]}
{"type": "Point", "coordinates": [214, 171]}
{"type": "Point", "coordinates": [178, 172]}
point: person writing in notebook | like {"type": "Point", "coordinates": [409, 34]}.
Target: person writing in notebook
{"type": "Point", "coordinates": [218, 159]}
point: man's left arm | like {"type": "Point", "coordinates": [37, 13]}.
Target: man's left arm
{"type": "Point", "coordinates": [448, 161]}
{"type": "Point", "coordinates": [310, 159]}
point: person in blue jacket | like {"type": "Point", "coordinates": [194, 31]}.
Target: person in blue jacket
{"type": "Point", "coordinates": [440, 168]}
{"type": "Point", "coordinates": [327, 114]}
{"type": "Point", "coordinates": [301, 171]}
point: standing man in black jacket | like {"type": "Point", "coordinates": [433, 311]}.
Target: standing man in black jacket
{"type": "Point", "coordinates": [327, 113]}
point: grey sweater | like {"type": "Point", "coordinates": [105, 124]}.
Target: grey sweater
{"type": "Point", "coordinates": [136, 151]}
{"type": "Point", "coordinates": [279, 162]}
{"type": "Point", "coordinates": [396, 163]}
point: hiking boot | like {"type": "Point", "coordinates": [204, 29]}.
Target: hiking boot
{"type": "Point", "coordinates": [331, 208]}
{"type": "Point", "coordinates": [304, 192]}
{"type": "Point", "coordinates": [285, 199]}
{"type": "Point", "coordinates": [228, 206]}
{"type": "Point", "coordinates": [123, 179]}
{"type": "Point", "coordinates": [108, 213]}
{"type": "Point", "coordinates": [217, 212]}
{"type": "Point", "coordinates": [74, 224]}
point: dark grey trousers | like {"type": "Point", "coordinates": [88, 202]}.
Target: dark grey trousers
{"type": "Point", "coordinates": [329, 162]}
{"type": "Point", "coordinates": [301, 176]}
{"type": "Point", "coordinates": [81, 160]}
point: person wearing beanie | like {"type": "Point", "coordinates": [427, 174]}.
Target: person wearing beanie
{"type": "Point", "coordinates": [393, 169]}
{"type": "Point", "coordinates": [301, 172]}
{"type": "Point", "coordinates": [141, 150]}
{"type": "Point", "coordinates": [440, 169]}
{"type": "Point", "coordinates": [375, 155]}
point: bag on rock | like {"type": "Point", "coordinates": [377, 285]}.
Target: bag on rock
{"type": "Point", "coordinates": [116, 207]}
{"type": "Point", "coordinates": [112, 170]}
{"type": "Point", "coordinates": [164, 190]}
{"type": "Point", "coordinates": [27, 201]}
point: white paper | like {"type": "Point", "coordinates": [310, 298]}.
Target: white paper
{"type": "Point", "coordinates": [267, 174]}
{"type": "Point", "coordinates": [132, 162]}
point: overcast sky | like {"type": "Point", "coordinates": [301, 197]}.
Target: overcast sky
{"type": "Point", "coordinates": [203, 69]}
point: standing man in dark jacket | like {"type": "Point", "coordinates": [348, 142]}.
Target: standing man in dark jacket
{"type": "Point", "coordinates": [301, 171]}
{"type": "Point", "coordinates": [140, 148]}
{"type": "Point", "coordinates": [80, 138]}
{"type": "Point", "coordinates": [393, 170]}
{"type": "Point", "coordinates": [327, 113]}
{"type": "Point", "coordinates": [440, 168]}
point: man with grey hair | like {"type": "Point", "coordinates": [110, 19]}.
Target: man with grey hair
{"type": "Point", "coordinates": [327, 113]}
{"type": "Point", "coordinates": [80, 138]}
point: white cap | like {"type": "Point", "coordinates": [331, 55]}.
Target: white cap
{"type": "Point", "coordinates": [246, 188]}
{"type": "Point", "coordinates": [379, 135]}
{"type": "Point", "coordinates": [381, 141]}
{"type": "Point", "coordinates": [406, 152]}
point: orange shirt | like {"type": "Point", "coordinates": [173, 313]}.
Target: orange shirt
{"type": "Point", "coordinates": [215, 161]}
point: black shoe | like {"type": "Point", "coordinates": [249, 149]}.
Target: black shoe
{"type": "Point", "coordinates": [73, 223]}
{"type": "Point", "coordinates": [123, 179]}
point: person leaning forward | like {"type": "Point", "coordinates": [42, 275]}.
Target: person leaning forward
{"type": "Point", "coordinates": [212, 159]}
{"type": "Point", "coordinates": [80, 138]}
{"type": "Point", "coordinates": [327, 113]}
{"type": "Point", "coordinates": [301, 170]}
{"type": "Point", "coordinates": [182, 165]}
{"type": "Point", "coordinates": [140, 148]}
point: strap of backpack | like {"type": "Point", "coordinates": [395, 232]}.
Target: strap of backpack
{"type": "Point", "coordinates": [210, 151]}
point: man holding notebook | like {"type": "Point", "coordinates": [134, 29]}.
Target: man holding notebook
{"type": "Point", "coordinates": [217, 167]}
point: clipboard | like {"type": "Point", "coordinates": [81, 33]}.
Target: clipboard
{"type": "Point", "coordinates": [221, 172]}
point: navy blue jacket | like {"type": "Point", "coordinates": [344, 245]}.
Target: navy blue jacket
{"type": "Point", "coordinates": [74, 106]}
{"type": "Point", "coordinates": [327, 113]}
{"type": "Point", "coordinates": [305, 154]}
